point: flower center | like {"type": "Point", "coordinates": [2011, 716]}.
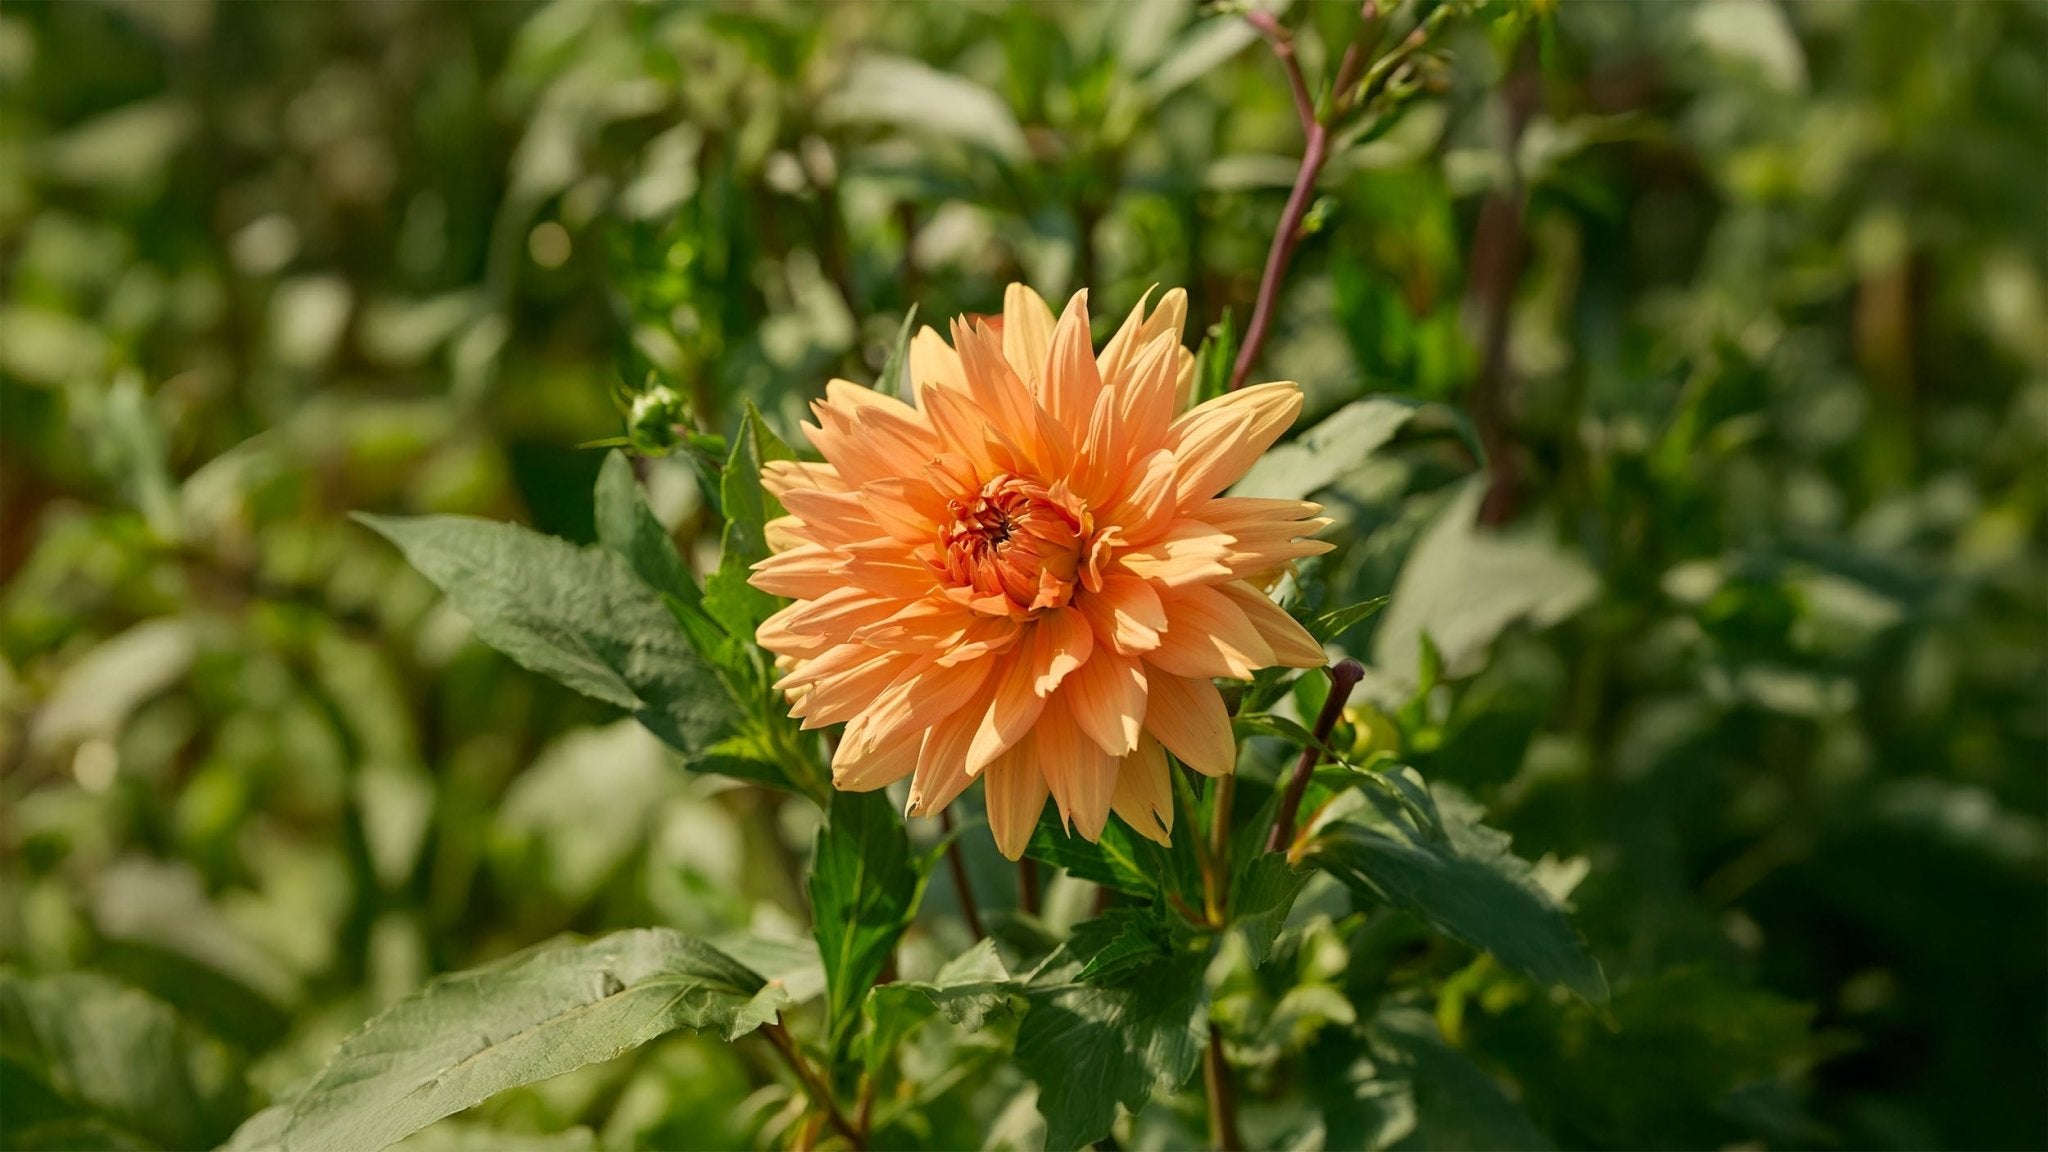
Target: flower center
{"type": "Point", "coordinates": [1016, 540]}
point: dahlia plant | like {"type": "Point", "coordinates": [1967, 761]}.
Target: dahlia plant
{"type": "Point", "coordinates": [1015, 563]}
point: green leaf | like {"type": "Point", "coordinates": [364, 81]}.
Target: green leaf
{"type": "Point", "coordinates": [88, 1063]}
{"type": "Point", "coordinates": [579, 615]}
{"type": "Point", "coordinates": [864, 890]}
{"type": "Point", "coordinates": [747, 507]}
{"type": "Point", "coordinates": [1261, 897]}
{"type": "Point", "coordinates": [1132, 938]}
{"type": "Point", "coordinates": [1216, 358]}
{"type": "Point", "coordinates": [1090, 1048]}
{"type": "Point", "coordinates": [627, 526]}
{"type": "Point", "coordinates": [967, 991]}
{"type": "Point", "coordinates": [1463, 584]}
{"type": "Point", "coordinates": [1120, 858]}
{"type": "Point", "coordinates": [1319, 457]}
{"type": "Point", "coordinates": [1390, 841]}
{"type": "Point", "coordinates": [471, 1035]}
{"type": "Point", "coordinates": [1331, 625]}
{"type": "Point", "coordinates": [895, 378]}
{"type": "Point", "coordinates": [1456, 1104]}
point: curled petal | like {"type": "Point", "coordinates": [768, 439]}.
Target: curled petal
{"type": "Point", "coordinates": [1292, 646]}
{"type": "Point", "coordinates": [1079, 774]}
{"type": "Point", "coordinates": [1144, 792]}
{"type": "Point", "coordinates": [1218, 441]}
{"type": "Point", "coordinates": [1188, 716]}
{"type": "Point", "coordinates": [858, 769]}
{"type": "Point", "coordinates": [1126, 614]}
{"type": "Point", "coordinates": [1207, 634]}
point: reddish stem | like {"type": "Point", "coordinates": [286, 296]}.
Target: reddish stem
{"type": "Point", "coordinates": [956, 861]}
{"type": "Point", "coordinates": [1344, 676]}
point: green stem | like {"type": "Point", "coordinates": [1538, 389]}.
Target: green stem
{"type": "Point", "coordinates": [814, 1084]}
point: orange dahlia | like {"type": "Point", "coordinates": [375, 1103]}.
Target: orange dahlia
{"type": "Point", "coordinates": [1027, 575]}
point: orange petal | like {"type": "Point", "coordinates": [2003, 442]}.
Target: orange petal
{"type": "Point", "coordinates": [1071, 381]}
{"type": "Point", "coordinates": [805, 572]}
{"type": "Point", "coordinates": [1218, 441]}
{"type": "Point", "coordinates": [933, 361]}
{"type": "Point", "coordinates": [779, 476]}
{"type": "Point", "coordinates": [1107, 698]}
{"type": "Point", "coordinates": [1190, 552]}
{"type": "Point", "coordinates": [834, 616]}
{"type": "Point", "coordinates": [919, 697]}
{"type": "Point", "coordinates": [1146, 400]}
{"type": "Point", "coordinates": [1144, 792]}
{"type": "Point", "coordinates": [1117, 356]}
{"type": "Point", "coordinates": [1292, 646]}
{"type": "Point", "coordinates": [1060, 642]}
{"type": "Point", "coordinates": [999, 397]}
{"type": "Point", "coordinates": [1027, 333]}
{"type": "Point", "coordinates": [829, 517]}
{"type": "Point", "coordinates": [1147, 507]}
{"type": "Point", "coordinates": [1079, 774]}
{"type": "Point", "coordinates": [1187, 715]}
{"type": "Point", "coordinates": [1015, 795]}
{"type": "Point", "coordinates": [942, 763]}
{"type": "Point", "coordinates": [1207, 634]}
{"type": "Point", "coordinates": [859, 769]}
{"type": "Point", "coordinates": [1126, 614]}
{"type": "Point", "coordinates": [1012, 711]}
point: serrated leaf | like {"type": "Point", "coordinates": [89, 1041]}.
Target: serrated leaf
{"type": "Point", "coordinates": [578, 615]}
{"type": "Point", "coordinates": [1458, 875]}
{"type": "Point", "coordinates": [1090, 1048]}
{"type": "Point", "coordinates": [88, 1063]}
{"type": "Point", "coordinates": [1132, 939]}
{"type": "Point", "coordinates": [864, 890]}
{"type": "Point", "coordinates": [626, 525]}
{"type": "Point", "coordinates": [468, 1036]}
{"type": "Point", "coordinates": [1261, 897]}
{"type": "Point", "coordinates": [967, 991]}
{"type": "Point", "coordinates": [747, 507]}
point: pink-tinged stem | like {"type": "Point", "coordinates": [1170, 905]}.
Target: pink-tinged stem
{"type": "Point", "coordinates": [1288, 235]}
{"type": "Point", "coordinates": [956, 861]}
{"type": "Point", "coordinates": [1285, 239]}
{"type": "Point", "coordinates": [1344, 676]}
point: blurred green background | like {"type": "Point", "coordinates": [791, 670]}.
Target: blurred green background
{"type": "Point", "coordinates": [1767, 648]}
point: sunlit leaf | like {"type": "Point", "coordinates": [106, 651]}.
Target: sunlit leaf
{"type": "Point", "coordinates": [1388, 840]}
{"type": "Point", "coordinates": [579, 615]}
{"type": "Point", "coordinates": [468, 1036]}
{"type": "Point", "coordinates": [864, 889]}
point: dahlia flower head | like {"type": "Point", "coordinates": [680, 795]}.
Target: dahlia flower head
{"type": "Point", "coordinates": [1027, 575]}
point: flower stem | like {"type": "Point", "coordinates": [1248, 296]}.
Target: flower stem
{"type": "Point", "coordinates": [1288, 234]}
{"type": "Point", "coordinates": [1027, 885]}
{"type": "Point", "coordinates": [957, 862]}
{"type": "Point", "coordinates": [814, 1084]}
{"type": "Point", "coordinates": [1216, 878]}
{"type": "Point", "coordinates": [1344, 676]}
{"type": "Point", "coordinates": [1223, 1133]}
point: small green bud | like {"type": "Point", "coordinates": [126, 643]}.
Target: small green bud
{"type": "Point", "coordinates": [657, 420]}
